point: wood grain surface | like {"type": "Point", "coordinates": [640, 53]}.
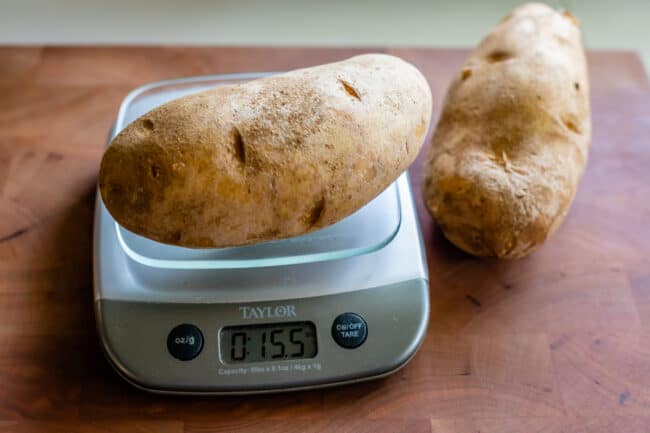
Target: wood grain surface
{"type": "Point", "coordinates": [556, 342]}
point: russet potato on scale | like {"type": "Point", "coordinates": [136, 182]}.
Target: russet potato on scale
{"type": "Point", "coordinates": [267, 159]}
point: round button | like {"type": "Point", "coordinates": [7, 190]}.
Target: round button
{"type": "Point", "coordinates": [185, 342]}
{"type": "Point", "coordinates": [349, 330]}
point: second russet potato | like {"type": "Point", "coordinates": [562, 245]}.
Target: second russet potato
{"type": "Point", "coordinates": [513, 137]}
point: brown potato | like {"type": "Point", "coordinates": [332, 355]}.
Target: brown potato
{"type": "Point", "coordinates": [512, 140]}
{"type": "Point", "coordinates": [267, 159]}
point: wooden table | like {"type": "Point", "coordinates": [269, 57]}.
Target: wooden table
{"type": "Point", "coordinates": [557, 342]}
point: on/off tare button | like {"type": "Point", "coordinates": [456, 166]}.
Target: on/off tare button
{"type": "Point", "coordinates": [185, 342]}
{"type": "Point", "coordinates": [349, 330]}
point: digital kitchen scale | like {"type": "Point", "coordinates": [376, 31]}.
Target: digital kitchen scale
{"type": "Point", "coordinates": [343, 304]}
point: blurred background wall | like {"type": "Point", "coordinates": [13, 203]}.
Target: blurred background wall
{"type": "Point", "coordinates": [623, 24]}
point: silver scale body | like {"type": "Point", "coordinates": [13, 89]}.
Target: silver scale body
{"type": "Point", "coordinates": [371, 263]}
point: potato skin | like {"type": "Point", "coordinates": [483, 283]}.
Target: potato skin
{"type": "Point", "coordinates": [512, 140]}
{"type": "Point", "coordinates": [267, 159]}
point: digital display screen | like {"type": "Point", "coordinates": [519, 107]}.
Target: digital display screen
{"type": "Point", "coordinates": [270, 342]}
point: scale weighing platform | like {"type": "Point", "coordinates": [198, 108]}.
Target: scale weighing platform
{"type": "Point", "coordinates": [347, 303]}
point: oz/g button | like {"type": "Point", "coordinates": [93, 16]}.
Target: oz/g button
{"type": "Point", "coordinates": [349, 330]}
{"type": "Point", "coordinates": [185, 342]}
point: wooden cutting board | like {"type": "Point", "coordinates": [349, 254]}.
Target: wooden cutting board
{"type": "Point", "coordinates": [557, 342]}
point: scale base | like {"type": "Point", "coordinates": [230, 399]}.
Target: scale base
{"type": "Point", "coordinates": [142, 359]}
